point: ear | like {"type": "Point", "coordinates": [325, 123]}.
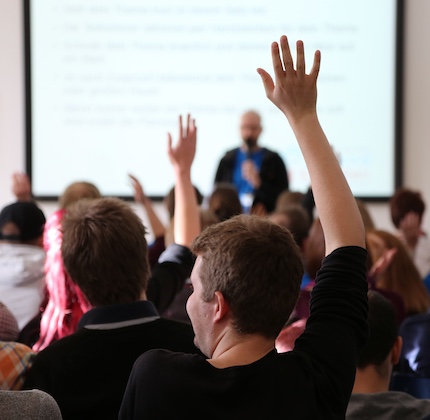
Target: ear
{"type": "Point", "coordinates": [221, 306]}
{"type": "Point", "coordinates": [395, 352]}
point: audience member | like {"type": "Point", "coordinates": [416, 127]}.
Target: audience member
{"type": "Point", "coordinates": [246, 280]}
{"type": "Point", "coordinates": [254, 171]}
{"type": "Point", "coordinates": [407, 209]}
{"type": "Point", "coordinates": [15, 362]}
{"type": "Point", "coordinates": [371, 398]}
{"type": "Point", "coordinates": [66, 303]}
{"type": "Point", "coordinates": [287, 198]}
{"type": "Point", "coordinates": [401, 275]}
{"type": "Point", "coordinates": [28, 405]}
{"type": "Point", "coordinates": [105, 252]}
{"type": "Point", "coordinates": [296, 220]}
{"type": "Point", "coordinates": [224, 201]}
{"type": "Point", "coordinates": [22, 280]}
{"type": "Point", "coordinates": [157, 227]}
{"type": "Point", "coordinates": [169, 200]}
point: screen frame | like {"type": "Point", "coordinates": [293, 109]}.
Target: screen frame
{"type": "Point", "coordinates": [398, 107]}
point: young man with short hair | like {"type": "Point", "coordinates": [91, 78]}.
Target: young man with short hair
{"type": "Point", "coordinates": [246, 281]}
{"type": "Point", "coordinates": [105, 252]}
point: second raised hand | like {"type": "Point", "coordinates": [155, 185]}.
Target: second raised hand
{"type": "Point", "coordinates": [182, 154]}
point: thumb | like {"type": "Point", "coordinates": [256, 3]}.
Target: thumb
{"type": "Point", "coordinates": [267, 80]}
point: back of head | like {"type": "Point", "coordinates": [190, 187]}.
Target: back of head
{"type": "Point", "coordinates": [105, 251]}
{"type": "Point", "coordinates": [382, 331]}
{"type": "Point", "coordinates": [22, 222]}
{"type": "Point", "coordinates": [169, 200]}
{"type": "Point", "coordinates": [295, 218]}
{"type": "Point", "coordinates": [76, 191]}
{"type": "Point", "coordinates": [287, 198]}
{"type": "Point", "coordinates": [405, 201]}
{"type": "Point", "coordinates": [257, 266]}
{"type": "Point", "coordinates": [224, 201]}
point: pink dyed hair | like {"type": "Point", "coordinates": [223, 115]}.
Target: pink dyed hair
{"type": "Point", "coordinates": [66, 302]}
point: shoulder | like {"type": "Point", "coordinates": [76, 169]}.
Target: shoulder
{"type": "Point", "coordinates": [161, 360]}
{"type": "Point", "coordinates": [270, 154]}
{"type": "Point", "coordinates": [230, 154]}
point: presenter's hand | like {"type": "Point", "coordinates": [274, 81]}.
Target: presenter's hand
{"type": "Point", "coordinates": [250, 173]}
{"type": "Point", "coordinates": [294, 92]}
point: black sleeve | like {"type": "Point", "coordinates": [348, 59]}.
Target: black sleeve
{"type": "Point", "coordinates": [168, 276]}
{"type": "Point", "coordinates": [337, 329]}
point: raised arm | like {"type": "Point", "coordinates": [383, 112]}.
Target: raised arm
{"type": "Point", "coordinates": [140, 197]}
{"type": "Point", "coordinates": [186, 217]}
{"type": "Point", "coordinates": [294, 92]}
{"type": "Point", "coordinates": [21, 186]}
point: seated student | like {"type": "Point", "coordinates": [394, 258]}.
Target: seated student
{"type": "Point", "coordinates": [65, 303]}
{"type": "Point", "coordinates": [105, 252]}
{"type": "Point", "coordinates": [371, 398]}
{"type": "Point", "coordinates": [162, 234]}
{"type": "Point", "coordinates": [224, 201]}
{"type": "Point", "coordinates": [246, 280]}
{"type": "Point", "coordinates": [22, 259]}
{"type": "Point", "coordinates": [407, 209]}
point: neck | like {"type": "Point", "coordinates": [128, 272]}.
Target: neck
{"type": "Point", "coordinates": [369, 380]}
{"type": "Point", "coordinates": [240, 350]}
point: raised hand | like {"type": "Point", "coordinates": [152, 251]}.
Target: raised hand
{"type": "Point", "coordinates": [187, 217]}
{"type": "Point", "coordinates": [139, 195]}
{"type": "Point", "coordinates": [21, 186]}
{"type": "Point", "coordinates": [294, 92]}
{"type": "Point", "coordinates": [182, 155]}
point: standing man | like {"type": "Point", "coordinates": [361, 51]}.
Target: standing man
{"type": "Point", "coordinates": [254, 171]}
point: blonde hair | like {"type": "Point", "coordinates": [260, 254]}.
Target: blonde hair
{"type": "Point", "coordinates": [77, 191]}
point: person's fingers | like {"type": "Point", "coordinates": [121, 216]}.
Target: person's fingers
{"type": "Point", "coordinates": [316, 65]}
{"type": "Point", "coordinates": [180, 128]}
{"type": "Point", "coordinates": [287, 59]}
{"type": "Point", "coordinates": [277, 63]}
{"type": "Point", "coordinates": [267, 81]}
{"type": "Point", "coordinates": [187, 129]}
{"type": "Point", "coordinates": [301, 66]}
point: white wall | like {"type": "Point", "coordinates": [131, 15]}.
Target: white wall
{"type": "Point", "coordinates": [416, 157]}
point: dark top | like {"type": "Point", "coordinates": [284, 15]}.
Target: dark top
{"type": "Point", "coordinates": [415, 356]}
{"type": "Point", "coordinates": [273, 174]}
{"type": "Point", "coordinates": [314, 381]}
{"type": "Point", "coordinates": [169, 275]}
{"type": "Point", "coordinates": [87, 372]}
